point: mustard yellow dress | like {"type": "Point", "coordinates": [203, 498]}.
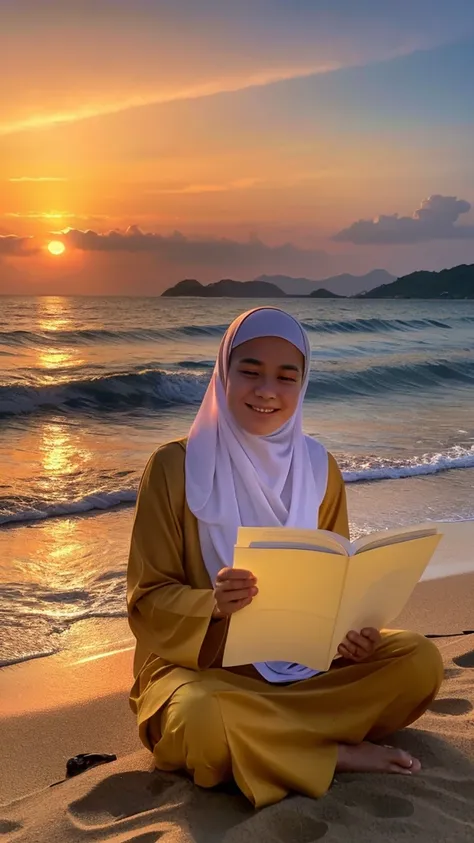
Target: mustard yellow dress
{"type": "Point", "coordinates": [217, 723]}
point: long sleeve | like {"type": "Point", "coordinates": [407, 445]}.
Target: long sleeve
{"type": "Point", "coordinates": [333, 511]}
{"type": "Point", "coordinates": [167, 616]}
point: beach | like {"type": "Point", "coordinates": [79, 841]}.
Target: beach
{"type": "Point", "coordinates": [82, 407]}
{"type": "Point", "coordinates": [58, 707]}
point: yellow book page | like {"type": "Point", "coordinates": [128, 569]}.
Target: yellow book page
{"type": "Point", "coordinates": [292, 618]}
{"type": "Point", "coordinates": [378, 584]}
{"type": "Point", "coordinates": [394, 535]}
{"type": "Point", "coordinates": [293, 537]}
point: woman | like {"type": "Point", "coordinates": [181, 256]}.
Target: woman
{"type": "Point", "coordinates": [273, 727]}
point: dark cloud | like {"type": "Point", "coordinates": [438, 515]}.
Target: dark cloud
{"type": "Point", "coordinates": [435, 220]}
{"type": "Point", "coordinates": [218, 253]}
{"type": "Point", "coordinates": [15, 246]}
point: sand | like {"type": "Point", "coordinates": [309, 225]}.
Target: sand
{"type": "Point", "coordinates": [56, 707]}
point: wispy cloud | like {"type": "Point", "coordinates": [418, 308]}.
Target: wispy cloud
{"type": "Point", "coordinates": [434, 220]}
{"type": "Point", "coordinates": [54, 215]}
{"type": "Point", "coordinates": [40, 215]}
{"type": "Point", "coordinates": [148, 53]}
{"type": "Point", "coordinates": [208, 89]}
{"type": "Point", "coordinates": [238, 184]}
{"type": "Point", "coordinates": [37, 178]}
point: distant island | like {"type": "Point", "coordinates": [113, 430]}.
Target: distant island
{"type": "Point", "coordinates": [343, 285]}
{"type": "Point", "coordinates": [321, 293]}
{"type": "Point", "coordinates": [455, 283]}
{"type": "Point", "coordinates": [227, 288]}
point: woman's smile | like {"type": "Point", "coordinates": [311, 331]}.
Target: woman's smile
{"type": "Point", "coordinates": [262, 409]}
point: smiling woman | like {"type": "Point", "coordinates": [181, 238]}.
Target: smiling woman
{"type": "Point", "coordinates": [56, 247]}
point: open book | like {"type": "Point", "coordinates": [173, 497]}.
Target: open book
{"type": "Point", "coordinates": [315, 586]}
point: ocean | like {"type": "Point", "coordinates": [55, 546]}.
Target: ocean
{"type": "Point", "coordinates": [89, 387]}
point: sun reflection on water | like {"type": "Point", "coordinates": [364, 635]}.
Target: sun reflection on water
{"type": "Point", "coordinates": [54, 314]}
{"type": "Point", "coordinates": [62, 457]}
{"type": "Point", "coordinates": [57, 453]}
{"type": "Point", "coordinates": [61, 572]}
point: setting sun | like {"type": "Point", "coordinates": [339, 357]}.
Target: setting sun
{"type": "Point", "coordinates": [56, 247]}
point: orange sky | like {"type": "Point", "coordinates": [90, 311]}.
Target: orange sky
{"type": "Point", "coordinates": [236, 121]}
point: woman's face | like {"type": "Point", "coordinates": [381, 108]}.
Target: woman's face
{"type": "Point", "coordinates": [264, 384]}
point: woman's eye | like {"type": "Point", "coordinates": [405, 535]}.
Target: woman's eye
{"type": "Point", "coordinates": [288, 380]}
{"type": "Point", "coordinates": [247, 372]}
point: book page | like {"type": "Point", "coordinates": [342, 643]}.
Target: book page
{"type": "Point", "coordinates": [378, 584]}
{"type": "Point", "coordinates": [292, 618]}
{"type": "Point", "coordinates": [393, 536]}
{"type": "Point", "coordinates": [292, 537]}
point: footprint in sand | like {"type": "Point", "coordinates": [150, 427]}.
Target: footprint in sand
{"type": "Point", "coordinates": [6, 826]}
{"type": "Point", "coordinates": [452, 672]}
{"type": "Point", "coordinates": [291, 825]}
{"type": "Point", "coordinates": [119, 796]}
{"type": "Point", "coordinates": [387, 806]}
{"type": "Point", "coordinates": [451, 705]}
{"type": "Point", "coordinates": [466, 660]}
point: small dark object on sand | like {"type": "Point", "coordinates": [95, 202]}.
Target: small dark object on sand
{"type": "Point", "coordinates": [85, 761]}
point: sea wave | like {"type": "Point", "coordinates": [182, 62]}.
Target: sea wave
{"type": "Point", "coordinates": [154, 388]}
{"type": "Point", "coordinates": [354, 470]}
{"type": "Point", "coordinates": [376, 325]}
{"type": "Point", "coordinates": [375, 380]}
{"type": "Point", "coordinates": [36, 633]}
{"type": "Point", "coordinates": [380, 469]}
{"type": "Point", "coordinates": [39, 510]}
{"type": "Point", "coordinates": [90, 336]}
{"type": "Point", "coordinates": [29, 656]}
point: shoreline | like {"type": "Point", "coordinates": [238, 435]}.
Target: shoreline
{"type": "Point", "coordinates": [103, 629]}
{"type": "Point", "coordinates": [439, 606]}
{"type": "Point", "coordinates": [352, 478]}
{"type": "Point", "coordinates": [458, 582]}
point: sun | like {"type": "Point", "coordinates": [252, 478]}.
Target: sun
{"type": "Point", "coordinates": [56, 247]}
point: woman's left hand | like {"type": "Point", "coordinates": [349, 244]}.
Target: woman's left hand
{"type": "Point", "coordinates": [359, 646]}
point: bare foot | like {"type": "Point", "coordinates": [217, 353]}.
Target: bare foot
{"type": "Point", "coordinates": [372, 758]}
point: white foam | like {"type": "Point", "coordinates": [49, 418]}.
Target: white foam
{"type": "Point", "coordinates": [101, 502]}
{"type": "Point", "coordinates": [458, 458]}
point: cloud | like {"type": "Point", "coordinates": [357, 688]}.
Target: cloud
{"type": "Point", "coordinates": [178, 247]}
{"type": "Point", "coordinates": [191, 92]}
{"type": "Point", "coordinates": [191, 189]}
{"type": "Point", "coordinates": [37, 178]}
{"type": "Point", "coordinates": [187, 50]}
{"type": "Point", "coordinates": [14, 246]}
{"type": "Point", "coordinates": [435, 220]}
{"type": "Point", "coordinates": [146, 260]}
{"type": "Point", "coordinates": [42, 215]}
{"type": "Point", "coordinates": [48, 216]}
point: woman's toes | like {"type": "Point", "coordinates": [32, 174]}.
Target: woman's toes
{"type": "Point", "coordinates": [368, 757]}
{"type": "Point", "coordinates": [416, 766]}
{"type": "Point", "coordinates": [404, 762]}
{"type": "Point", "coordinates": [400, 771]}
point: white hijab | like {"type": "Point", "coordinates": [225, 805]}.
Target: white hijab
{"type": "Point", "coordinates": [236, 478]}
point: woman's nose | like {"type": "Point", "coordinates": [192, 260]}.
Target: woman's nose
{"type": "Point", "coordinates": [265, 390]}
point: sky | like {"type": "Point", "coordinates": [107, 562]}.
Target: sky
{"type": "Point", "coordinates": [163, 140]}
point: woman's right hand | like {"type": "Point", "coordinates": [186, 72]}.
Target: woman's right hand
{"type": "Point", "coordinates": [234, 589]}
